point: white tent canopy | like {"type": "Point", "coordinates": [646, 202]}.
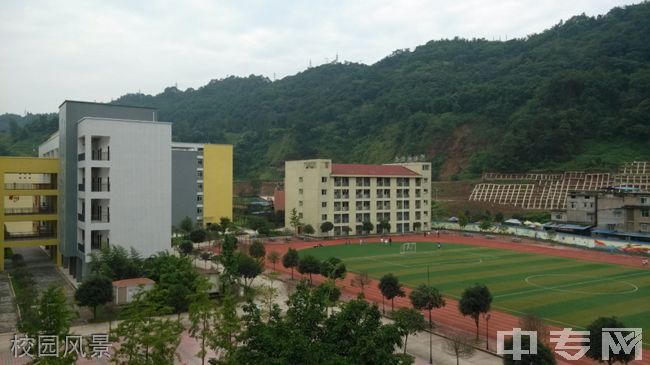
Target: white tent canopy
{"type": "Point", "coordinates": [514, 222]}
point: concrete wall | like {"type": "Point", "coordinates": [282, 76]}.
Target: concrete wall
{"type": "Point", "coordinates": [568, 239]}
{"type": "Point", "coordinates": [140, 191]}
{"type": "Point", "coordinates": [184, 185]}
{"type": "Point", "coordinates": [217, 182]}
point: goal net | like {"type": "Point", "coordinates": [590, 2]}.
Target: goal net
{"type": "Point", "coordinates": [407, 248]}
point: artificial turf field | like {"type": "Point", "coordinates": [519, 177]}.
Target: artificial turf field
{"type": "Point", "coordinates": [565, 292]}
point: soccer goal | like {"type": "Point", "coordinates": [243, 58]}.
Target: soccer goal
{"type": "Point", "coordinates": [408, 247]}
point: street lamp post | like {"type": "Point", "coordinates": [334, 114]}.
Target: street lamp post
{"type": "Point", "coordinates": [487, 331]}
{"type": "Point", "coordinates": [430, 324]}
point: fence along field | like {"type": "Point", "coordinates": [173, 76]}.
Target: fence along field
{"type": "Point", "coordinates": [565, 292]}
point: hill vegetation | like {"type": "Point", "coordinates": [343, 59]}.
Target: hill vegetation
{"type": "Point", "coordinates": [574, 96]}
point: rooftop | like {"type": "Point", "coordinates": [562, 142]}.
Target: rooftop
{"type": "Point", "coordinates": [371, 170]}
{"type": "Point", "coordinates": [106, 104]}
{"type": "Point", "coordinates": [133, 282]}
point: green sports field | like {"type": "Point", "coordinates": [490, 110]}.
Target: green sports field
{"type": "Point", "coordinates": [566, 292]}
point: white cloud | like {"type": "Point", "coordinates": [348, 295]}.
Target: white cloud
{"type": "Point", "coordinates": [98, 50]}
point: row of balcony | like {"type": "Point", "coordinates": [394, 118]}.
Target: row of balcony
{"type": "Point", "coordinates": [31, 210]}
{"type": "Point", "coordinates": [47, 233]}
{"type": "Point", "coordinates": [30, 186]}
{"type": "Point", "coordinates": [96, 155]}
{"type": "Point", "coordinates": [104, 217]}
{"type": "Point", "coordinates": [96, 187]}
{"type": "Point", "coordinates": [95, 245]}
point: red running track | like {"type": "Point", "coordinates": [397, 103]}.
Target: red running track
{"type": "Point", "coordinates": [449, 315]}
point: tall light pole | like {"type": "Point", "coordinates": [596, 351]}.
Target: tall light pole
{"type": "Point", "coordinates": [430, 324]}
{"type": "Point", "coordinates": [487, 332]}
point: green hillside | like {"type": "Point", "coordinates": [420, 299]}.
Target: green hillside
{"type": "Point", "coordinates": [573, 96]}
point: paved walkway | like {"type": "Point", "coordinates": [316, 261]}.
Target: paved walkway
{"type": "Point", "coordinates": [8, 313]}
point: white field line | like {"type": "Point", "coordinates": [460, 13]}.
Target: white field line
{"type": "Point", "coordinates": [567, 285]}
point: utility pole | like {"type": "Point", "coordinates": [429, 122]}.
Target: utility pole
{"type": "Point", "coordinates": [487, 332]}
{"type": "Point", "coordinates": [430, 324]}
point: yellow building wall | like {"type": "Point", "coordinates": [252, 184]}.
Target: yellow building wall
{"type": "Point", "coordinates": [217, 182]}
{"type": "Point", "coordinates": [11, 171]}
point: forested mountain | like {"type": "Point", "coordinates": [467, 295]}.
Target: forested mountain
{"type": "Point", "coordinates": [574, 96]}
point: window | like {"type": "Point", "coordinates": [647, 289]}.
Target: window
{"type": "Point", "coordinates": [645, 212]}
{"type": "Point", "coordinates": [300, 191]}
{"type": "Point", "coordinates": [644, 200]}
{"type": "Point", "coordinates": [425, 167]}
{"type": "Point", "coordinates": [323, 205]}
{"type": "Point", "coordinates": [199, 174]}
{"type": "Point", "coordinates": [200, 187]}
{"type": "Point", "coordinates": [323, 217]}
{"type": "Point", "coordinates": [300, 203]}
{"type": "Point", "coordinates": [199, 198]}
{"type": "Point", "coordinates": [300, 179]}
{"type": "Point", "coordinates": [300, 215]}
{"type": "Point", "coordinates": [323, 179]}
{"type": "Point", "coordinates": [199, 210]}
{"type": "Point", "coordinates": [323, 192]}
{"type": "Point", "coordinates": [341, 181]}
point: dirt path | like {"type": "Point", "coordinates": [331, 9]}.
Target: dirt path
{"type": "Point", "coordinates": [449, 316]}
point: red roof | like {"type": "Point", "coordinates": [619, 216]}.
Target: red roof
{"type": "Point", "coordinates": [371, 170]}
{"type": "Point", "coordinates": [133, 282]}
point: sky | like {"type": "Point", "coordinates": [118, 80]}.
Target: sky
{"type": "Point", "coordinates": [91, 50]}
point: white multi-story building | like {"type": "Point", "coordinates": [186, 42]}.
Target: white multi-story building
{"type": "Point", "coordinates": [114, 181]}
{"type": "Point", "coordinates": [350, 194]}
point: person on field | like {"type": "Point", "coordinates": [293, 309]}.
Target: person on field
{"type": "Point", "coordinates": [439, 247]}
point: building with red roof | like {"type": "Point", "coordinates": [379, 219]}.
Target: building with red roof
{"type": "Point", "coordinates": [125, 290]}
{"type": "Point", "coordinates": [347, 195]}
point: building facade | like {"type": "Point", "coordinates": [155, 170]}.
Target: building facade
{"type": "Point", "coordinates": [348, 195]}
{"type": "Point", "coordinates": [202, 182]}
{"type": "Point", "coordinates": [580, 209]}
{"type": "Point", "coordinates": [624, 211]}
{"type": "Point", "coordinates": [114, 180]}
{"type": "Point", "coordinates": [28, 204]}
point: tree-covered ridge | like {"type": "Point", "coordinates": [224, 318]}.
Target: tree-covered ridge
{"type": "Point", "coordinates": [574, 96]}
